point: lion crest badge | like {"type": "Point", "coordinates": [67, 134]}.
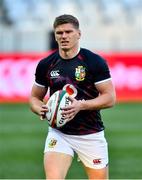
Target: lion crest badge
{"type": "Point", "coordinates": [80, 73]}
{"type": "Point", "coordinates": [52, 143]}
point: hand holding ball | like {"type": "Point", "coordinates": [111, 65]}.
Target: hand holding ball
{"type": "Point", "coordinates": [56, 102]}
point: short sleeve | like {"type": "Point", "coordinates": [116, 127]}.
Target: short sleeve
{"type": "Point", "coordinates": [102, 72]}
{"type": "Point", "coordinates": [40, 75]}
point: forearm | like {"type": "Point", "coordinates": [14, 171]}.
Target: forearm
{"type": "Point", "coordinates": [36, 105]}
{"type": "Point", "coordinates": [101, 102]}
{"type": "Point", "coordinates": [36, 99]}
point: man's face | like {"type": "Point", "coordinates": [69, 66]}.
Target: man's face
{"type": "Point", "coordinates": [67, 36]}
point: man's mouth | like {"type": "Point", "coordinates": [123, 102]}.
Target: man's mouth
{"type": "Point", "coordinates": [64, 42]}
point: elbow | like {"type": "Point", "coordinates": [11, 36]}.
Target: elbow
{"type": "Point", "coordinates": [112, 101]}
{"type": "Point", "coordinates": [111, 104]}
{"type": "Point", "coordinates": [31, 109]}
{"type": "Point", "coordinates": [30, 105]}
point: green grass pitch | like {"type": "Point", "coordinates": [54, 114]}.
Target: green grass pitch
{"type": "Point", "coordinates": [22, 137]}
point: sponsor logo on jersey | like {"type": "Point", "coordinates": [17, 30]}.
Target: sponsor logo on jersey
{"type": "Point", "coordinates": [52, 143]}
{"type": "Point", "coordinates": [80, 73]}
{"type": "Point", "coordinates": [54, 74]}
{"type": "Point", "coordinates": [96, 161]}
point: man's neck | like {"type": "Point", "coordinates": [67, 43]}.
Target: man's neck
{"type": "Point", "coordinates": [69, 54]}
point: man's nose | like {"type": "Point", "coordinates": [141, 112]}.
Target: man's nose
{"type": "Point", "coordinates": [64, 35]}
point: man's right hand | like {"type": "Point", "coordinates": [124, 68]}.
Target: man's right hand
{"type": "Point", "coordinates": [43, 111]}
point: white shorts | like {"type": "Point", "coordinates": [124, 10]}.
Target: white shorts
{"type": "Point", "coordinates": [91, 149]}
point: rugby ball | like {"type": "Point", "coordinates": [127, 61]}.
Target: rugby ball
{"type": "Point", "coordinates": [52, 105]}
{"type": "Point", "coordinates": [56, 102]}
{"type": "Point", "coordinates": [68, 90]}
{"type": "Point", "coordinates": [63, 102]}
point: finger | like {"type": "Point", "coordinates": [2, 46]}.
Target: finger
{"type": "Point", "coordinates": [42, 118]}
{"type": "Point", "coordinates": [71, 98]}
{"type": "Point", "coordinates": [42, 113]}
{"type": "Point", "coordinates": [67, 111]}
{"type": "Point", "coordinates": [70, 117]}
{"type": "Point", "coordinates": [66, 108]}
{"type": "Point", "coordinates": [44, 109]}
{"type": "Point", "coordinates": [44, 106]}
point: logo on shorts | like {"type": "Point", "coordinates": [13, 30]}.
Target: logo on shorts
{"type": "Point", "coordinates": [80, 73]}
{"type": "Point", "coordinates": [52, 143]}
{"type": "Point", "coordinates": [96, 161]}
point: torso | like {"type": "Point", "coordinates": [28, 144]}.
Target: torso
{"type": "Point", "coordinates": [82, 71]}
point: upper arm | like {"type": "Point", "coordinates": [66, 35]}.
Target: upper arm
{"type": "Point", "coordinates": [38, 92]}
{"type": "Point", "coordinates": [106, 87]}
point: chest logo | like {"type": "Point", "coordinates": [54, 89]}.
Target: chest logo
{"type": "Point", "coordinates": [80, 73]}
{"type": "Point", "coordinates": [54, 74]}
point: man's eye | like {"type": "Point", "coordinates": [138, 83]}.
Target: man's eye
{"type": "Point", "coordinates": [68, 32]}
{"type": "Point", "coordinates": [59, 33]}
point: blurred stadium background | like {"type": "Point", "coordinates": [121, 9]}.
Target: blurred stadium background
{"type": "Point", "coordinates": [112, 28]}
{"type": "Point", "coordinates": [107, 25]}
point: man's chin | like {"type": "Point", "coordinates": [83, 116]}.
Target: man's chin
{"type": "Point", "coordinates": [65, 48]}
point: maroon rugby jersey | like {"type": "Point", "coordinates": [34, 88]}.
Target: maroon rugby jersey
{"type": "Point", "coordinates": [82, 71]}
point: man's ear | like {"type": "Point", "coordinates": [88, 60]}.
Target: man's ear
{"type": "Point", "coordinates": [79, 32]}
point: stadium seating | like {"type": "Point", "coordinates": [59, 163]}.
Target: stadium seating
{"type": "Point", "coordinates": [113, 26]}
